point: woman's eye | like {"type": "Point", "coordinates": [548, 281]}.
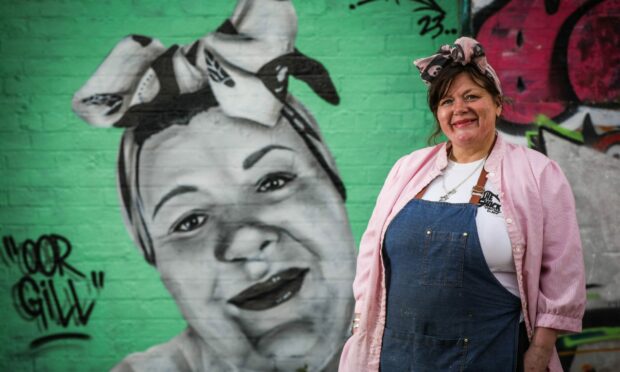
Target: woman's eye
{"type": "Point", "coordinates": [190, 223]}
{"type": "Point", "coordinates": [446, 102]}
{"type": "Point", "coordinates": [274, 181]}
{"type": "Point", "coordinates": [470, 97]}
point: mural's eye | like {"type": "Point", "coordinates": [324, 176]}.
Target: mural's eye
{"type": "Point", "coordinates": [274, 181]}
{"type": "Point", "coordinates": [190, 223]}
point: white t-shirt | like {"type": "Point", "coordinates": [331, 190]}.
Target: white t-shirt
{"type": "Point", "coordinates": [492, 230]}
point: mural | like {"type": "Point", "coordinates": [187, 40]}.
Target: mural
{"type": "Point", "coordinates": [564, 83]}
{"type": "Point", "coordinates": [226, 183]}
{"type": "Point", "coordinates": [230, 193]}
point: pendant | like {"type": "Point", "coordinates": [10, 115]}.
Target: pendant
{"type": "Point", "coordinates": [447, 196]}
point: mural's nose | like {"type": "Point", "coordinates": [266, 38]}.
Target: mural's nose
{"type": "Point", "coordinates": [249, 244]}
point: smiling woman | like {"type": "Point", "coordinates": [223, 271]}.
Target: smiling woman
{"type": "Point", "coordinates": [232, 195]}
{"type": "Point", "coordinates": [472, 258]}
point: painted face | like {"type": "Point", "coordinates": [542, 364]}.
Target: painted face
{"type": "Point", "coordinates": [251, 239]}
{"type": "Point", "coordinates": [467, 114]}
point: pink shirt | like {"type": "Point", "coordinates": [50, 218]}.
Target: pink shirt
{"type": "Point", "coordinates": [539, 210]}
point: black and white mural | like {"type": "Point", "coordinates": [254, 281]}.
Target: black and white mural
{"type": "Point", "coordinates": [230, 193]}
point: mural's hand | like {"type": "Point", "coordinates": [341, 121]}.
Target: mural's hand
{"type": "Point", "coordinates": [266, 30]}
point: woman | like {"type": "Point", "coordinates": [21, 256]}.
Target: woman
{"type": "Point", "coordinates": [472, 252]}
{"type": "Point", "coordinates": [232, 196]}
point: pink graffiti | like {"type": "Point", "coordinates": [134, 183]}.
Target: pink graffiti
{"type": "Point", "coordinates": [549, 61]}
{"type": "Point", "coordinates": [593, 56]}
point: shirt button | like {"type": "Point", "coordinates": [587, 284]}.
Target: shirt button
{"type": "Point", "coordinates": [508, 220]}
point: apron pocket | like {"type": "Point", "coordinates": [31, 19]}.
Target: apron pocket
{"type": "Point", "coordinates": [437, 354]}
{"type": "Point", "coordinates": [396, 351]}
{"type": "Point", "coordinates": [444, 258]}
{"type": "Point", "coordinates": [404, 351]}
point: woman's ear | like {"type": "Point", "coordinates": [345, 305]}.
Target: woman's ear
{"type": "Point", "coordinates": [499, 106]}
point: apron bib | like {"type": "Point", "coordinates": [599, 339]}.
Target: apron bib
{"type": "Point", "coordinates": [446, 311]}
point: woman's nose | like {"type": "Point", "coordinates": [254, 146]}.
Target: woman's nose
{"type": "Point", "coordinates": [460, 106]}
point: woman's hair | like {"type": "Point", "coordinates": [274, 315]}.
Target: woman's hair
{"type": "Point", "coordinates": [442, 83]}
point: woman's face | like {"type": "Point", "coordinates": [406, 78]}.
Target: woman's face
{"type": "Point", "coordinates": [251, 239]}
{"type": "Point", "coordinates": [467, 114]}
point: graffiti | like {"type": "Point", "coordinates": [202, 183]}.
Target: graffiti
{"type": "Point", "coordinates": [600, 335]}
{"type": "Point", "coordinates": [432, 22]}
{"type": "Point", "coordinates": [48, 293]}
{"type": "Point", "coordinates": [364, 2]}
{"type": "Point", "coordinates": [573, 68]}
{"type": "Point", "coordinates": [231, 193]}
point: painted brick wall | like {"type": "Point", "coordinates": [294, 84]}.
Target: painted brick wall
{"type": "Point", "coordinates": [57, 183]}
{"type": "Point", "coordinates": [58, 174]}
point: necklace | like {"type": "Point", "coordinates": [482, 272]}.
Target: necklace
{"type": "Point", "coordinates": [449, 193]}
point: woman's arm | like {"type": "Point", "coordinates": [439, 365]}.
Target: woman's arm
{"type": "Point", "coordinates": [367, 248]}
{"type": "Point", "coordinates": [562, 289]}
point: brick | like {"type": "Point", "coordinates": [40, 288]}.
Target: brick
{"type": "Point", "coordinates": [362, 46]}
{"type": "Point", "coordinates": [31, 197]}
{"type": "Point", "coordinates": [18, 160]}
{"type": "Point", "coordinates": [364, 83]}
{"type": "Point", "coordinates": [15, 141]}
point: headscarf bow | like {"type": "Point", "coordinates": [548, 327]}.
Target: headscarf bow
{"type": "Point", "coordinates": [245, 63]}
{"type": "Point", "coordinates": [464, 51]}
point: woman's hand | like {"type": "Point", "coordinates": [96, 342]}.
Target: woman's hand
{"type": "Point", "coordinates": [539, 353]}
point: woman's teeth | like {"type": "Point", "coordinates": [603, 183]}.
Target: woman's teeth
{"type": "Point", "coordinates": [463, 123]}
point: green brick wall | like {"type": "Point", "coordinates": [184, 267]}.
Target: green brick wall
{"type": "Point", "coordinates": [58, 174]}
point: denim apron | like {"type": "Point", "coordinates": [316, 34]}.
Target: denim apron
{"type": "Point", "coordinates": [446, 311]}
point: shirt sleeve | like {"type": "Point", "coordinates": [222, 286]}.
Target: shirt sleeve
{"type": "Point", "coordinates": [368, 246]}
{"type": "Point", "coordinates": [562, 297]}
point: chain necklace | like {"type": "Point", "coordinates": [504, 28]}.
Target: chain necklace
{"type": "Point", "coordinates": [449, 193]}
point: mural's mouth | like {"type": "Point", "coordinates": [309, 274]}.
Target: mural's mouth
{"type": "Point", "coordinates": [277, 289]}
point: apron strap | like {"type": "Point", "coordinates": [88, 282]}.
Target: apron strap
{"type": "Point", "coordinates": [478, 190]}
{"type": "Point", "coordinates": [421, 193]}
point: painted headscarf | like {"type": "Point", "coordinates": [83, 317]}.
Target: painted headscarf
{"type": "Point", "coordinates": [465, 50]}
{"type": "Point", "coordinates": [243, 67]}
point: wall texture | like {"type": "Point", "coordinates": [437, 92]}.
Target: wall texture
{"type": "Point", "coordinates": [76, 292]}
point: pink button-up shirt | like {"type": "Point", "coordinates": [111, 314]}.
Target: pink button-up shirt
{"type": "Point", "coordinates": [539, 210]}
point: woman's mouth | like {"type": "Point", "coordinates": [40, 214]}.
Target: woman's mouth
{"type": "Point", "coordinates": [463, 123]}
{"type": "Point", "coordinates": [277, 289]}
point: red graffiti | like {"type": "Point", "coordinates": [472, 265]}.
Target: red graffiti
{"type": "Point", "coordinates": [593, 56]}
{"type": "Point", "coordinates": [550, 58]}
